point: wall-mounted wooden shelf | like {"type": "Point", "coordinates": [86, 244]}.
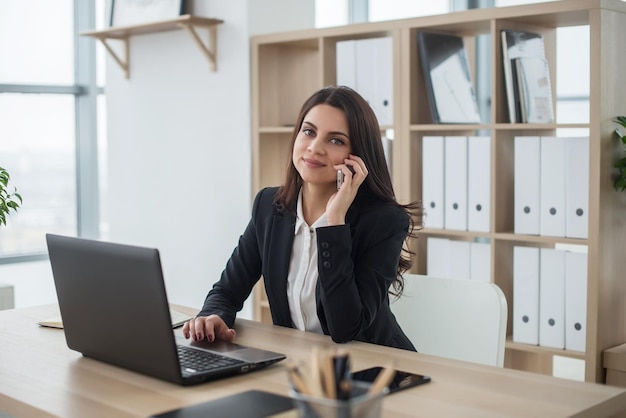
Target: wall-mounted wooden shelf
{"type": "Point", "coordinates": [186, 22]}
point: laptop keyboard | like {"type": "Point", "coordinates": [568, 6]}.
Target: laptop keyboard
{"type": "Point", "coordinates": [200, 361]}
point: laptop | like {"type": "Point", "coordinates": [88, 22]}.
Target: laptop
{"type": "Point", "coordinates": [114, 309]}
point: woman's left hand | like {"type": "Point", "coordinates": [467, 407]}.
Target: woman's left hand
{"type": "Point", "coordinates": [355, 172]}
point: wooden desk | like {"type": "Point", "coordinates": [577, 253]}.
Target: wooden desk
{"type": "Point", "coordinates": [41, 377]}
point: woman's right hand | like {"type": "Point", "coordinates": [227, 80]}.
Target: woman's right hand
{"type": "Point", "coordinates": [211, 327]}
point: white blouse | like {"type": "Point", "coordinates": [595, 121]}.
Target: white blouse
{"type": "Point", "coordinates": [303, 273]}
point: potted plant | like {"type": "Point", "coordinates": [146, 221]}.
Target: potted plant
{"type": "Point", "coordinates": [620, 181]}
{"type": "Point", "coordinates": [8, 201]}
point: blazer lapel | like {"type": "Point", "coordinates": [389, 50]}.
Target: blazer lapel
{"type": "Point", "coordinates": [280, 243]}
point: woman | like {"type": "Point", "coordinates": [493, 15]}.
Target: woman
{"type": "Point", "coordinates": [328, 255]}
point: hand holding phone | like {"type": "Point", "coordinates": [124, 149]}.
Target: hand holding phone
{"type": "Point", "coordinates": [402, 380]}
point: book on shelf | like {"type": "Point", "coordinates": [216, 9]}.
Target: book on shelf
{"type": "Point", "coordinates": [534, 89]}
{"type": "Point", "coordinates": [447, 77]}
{"type": "Point", "coordinates": [517, 44]}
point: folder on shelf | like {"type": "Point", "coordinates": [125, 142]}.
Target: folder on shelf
{"type": "Point", "coordinates": [478, 183]}
{"type": "Point", "coordinates": [374, 75]}
{"type": "Point", "coordinates": [534, 88]}
{"type": "Point", "coordinates": [448, 79]}
{"type": "Point", "coordinates": [346, 63]}
{"type": "Point", "coordinates": [366, 65]}
{"type": "Point", "coordinates": [552, 194]}
{"type": "Point", "coordinates": [575, 300]}
{"type": "Point", "coordinates": [480, 261]}
{"type": "Point", "coordinates": [527, 183]}
{"type": "Point", "coordinates": [455, 182]}
{"type": "Point", "coordinates": [526, 295]}
{"type": "Point", "coordinates": [438, 257]}
{"type": "Point", "coordinates": [577, 188]}
{"type": "Point", "coordinates": [433, 181]}
{"type": "Point", "coordinates": [552, 298]}
{"type": "Point", "coordinates": [515, 44]}
{"type": "Point", "coordinates": [459, 259]}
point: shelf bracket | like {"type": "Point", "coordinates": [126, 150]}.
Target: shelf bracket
{"type": "Point", "coordinates": [208, 50]}
{"type": "Point", "coordinates": [124, 63]}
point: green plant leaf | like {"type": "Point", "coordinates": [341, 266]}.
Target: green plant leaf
{"type": "Point", "coordinates": [621, 164]}
{"type": "Point", "coordinates": [621, 120]}
{"type": "Point", "coordinates": [8, 201]}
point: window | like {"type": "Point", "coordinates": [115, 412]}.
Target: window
{"type": "Point", "coordinates": [400, 9]}
{"type": "Point", "coordinates": [48, 122]}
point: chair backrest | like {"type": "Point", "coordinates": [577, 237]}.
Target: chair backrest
{"type": "Point", "coordinates": [454, 318]}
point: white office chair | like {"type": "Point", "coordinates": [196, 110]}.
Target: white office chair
{"type": "Point", "coordinates": [454, 318]}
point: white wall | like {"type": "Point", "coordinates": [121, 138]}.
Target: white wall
{"type": "Point", "coordinates": [179, 149]}
{"type": "Point", "coordinates": [179, 142]}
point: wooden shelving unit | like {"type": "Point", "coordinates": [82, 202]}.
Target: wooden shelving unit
{"type": "Point", "coordinates": [187, 22]}
{"type": "Point", "coordinates": [288, 67]}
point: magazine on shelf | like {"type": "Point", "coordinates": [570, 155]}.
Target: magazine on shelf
{"type": "Point", "coordinates": [447, 77]}
{"type": "Point", "coordinates": [535, 92]}
{"type": "Point", "coordinates": [516, 44]}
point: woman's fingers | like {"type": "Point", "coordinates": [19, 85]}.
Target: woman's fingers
{"type": "Point", "coordinates": [357, 166]}
{"type": "Point", "coordinates": [208, 327]}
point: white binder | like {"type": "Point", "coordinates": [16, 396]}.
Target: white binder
{"type": "Point", "coordinates": [455, 181]}
{"type": "Point", "coordinates": [526, 295]}
{"type": "Point", "coordinates": [438, 257]}
{"type": "Point", "coordinates": [577, 188]}
{"type": "Point", "coordinates": [459, 259]}
{"type": "Point", "coordinates": [366, 65]}
{"type": "Point", "coordinates": [374, 75]}
{"type": "Point", "coordinates": [575, 301]}
{"type": "Point", "coordinates": [527, 184]}
{"type": "Point", "coordinates": [433, 181]}
{"type": "Point", "coordinates": [346, 63]}
{"type": "Point", "coordinates": [552, 298]}
{"type": "Point", "coordinates": [480, 261]}
{"type": "Point", "coordinates": [478, 183]}
{"type": "Point", "coordinates": [552, 200]}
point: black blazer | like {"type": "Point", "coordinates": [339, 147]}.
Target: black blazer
{"type": "Point", "coordinates": [357, 263]}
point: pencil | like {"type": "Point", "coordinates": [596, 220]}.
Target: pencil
{"type": "Point", "coordinates": [316, 377]}
{"type": "Point", "coordinates": [297, 381]}
{"type": "Point", "coordinates": [328, 375]}
{"type": "Point", "coordinates": [341, 363]}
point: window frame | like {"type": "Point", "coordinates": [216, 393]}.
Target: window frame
{"type": "Point", "coordinates": [85, 91]}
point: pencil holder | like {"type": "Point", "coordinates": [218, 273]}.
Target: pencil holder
{"type": "Point", "coordinates": [361, 404]}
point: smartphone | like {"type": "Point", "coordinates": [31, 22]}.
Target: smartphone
{"type": "Point", "coordinates": [402, 380]}
{"type": "Point", "coordinates": [340, 176]}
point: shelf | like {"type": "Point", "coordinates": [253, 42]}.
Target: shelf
{"type": "Point", "coordinates": [287, 67]}
{"type": "Point", "coordinates": [503, 236]}
{"type": "Point", "coordinates": [537, 349]}
{"type": "Point", "coordinates": [186, 22]}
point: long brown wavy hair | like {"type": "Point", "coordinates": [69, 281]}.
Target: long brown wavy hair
{"type": "Point", "coordinates": [365, 138]}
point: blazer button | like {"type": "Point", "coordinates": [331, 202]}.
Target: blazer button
{"type": "Point", "coordinates": [325, 245]}
{"type": "Point", "coordinates": [326, 254]}
{"type": "Point", "coordinates": [326, 264]}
